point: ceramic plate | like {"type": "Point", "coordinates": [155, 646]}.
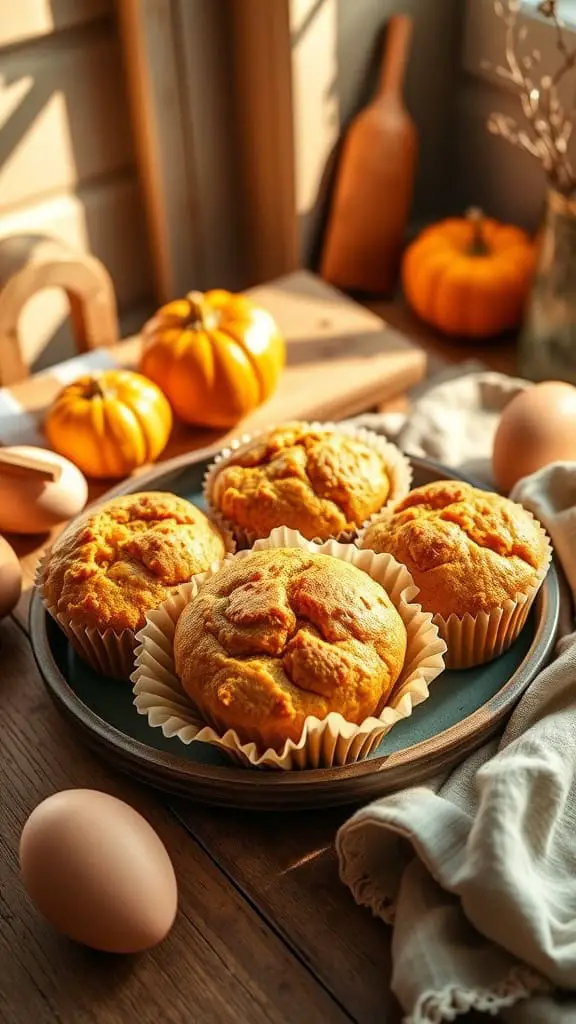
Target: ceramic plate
{"type": "Point", "coordinates": [463, 710]}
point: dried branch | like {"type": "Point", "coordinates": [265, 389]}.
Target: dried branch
{"type": "Point", "coordinates": [549, 123]}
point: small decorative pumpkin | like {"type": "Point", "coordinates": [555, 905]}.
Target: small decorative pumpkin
{"type": "Point", "coordinates": [469, 276]}
{"type": "Point", "coordinates": [216, 356]}
{"type": "Point", "coordinates": [109, 423]}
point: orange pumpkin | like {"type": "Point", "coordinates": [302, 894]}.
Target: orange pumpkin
{"type": "Point", "coordinates": [469, 276]}
{"type": "Point", "coordinates": [215, 355]}
{"type": "Point", "coordinates": [109, 423]}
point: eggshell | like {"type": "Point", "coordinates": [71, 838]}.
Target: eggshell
{"type": "Point", "coordinates": [98, 872]}
{"type": "Point", "coordinates": [536, 428]}
{"type": "Point", "coordinates": [29, 505]}
{"type": "Point", "coordinates": [10, 578]}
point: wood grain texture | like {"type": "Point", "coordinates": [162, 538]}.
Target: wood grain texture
{"type": "Point", "coordinates": [498, 354]}
{"type": "Point", "coordinates": [221, 962]}
{"type": "Point", "coordinates": [149, 32]}
{"type": "Point", "coordinates": [266, 145]}
{"type": "Point", "coordinates": [233, 186]}
{"type": "Point", "coordinates": [287, 867]}
{"type": "Point", "coordinates": [209, 97]}
{"type": "Point", "coordinates": [63, 114]}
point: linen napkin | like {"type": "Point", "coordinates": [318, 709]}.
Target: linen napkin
{"type": "Point", "coordinates": [453, 418]}
{"type": "Point", "coordinates": [476, 871]}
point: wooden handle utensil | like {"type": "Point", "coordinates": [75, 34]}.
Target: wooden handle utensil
{"type": "Point", "coordinates": [373, 190]}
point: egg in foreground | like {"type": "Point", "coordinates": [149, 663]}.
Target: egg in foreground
{"type": "Point", "coordinates": [98, 872]}
{"type": "Point", "coordinates": [29, 505]}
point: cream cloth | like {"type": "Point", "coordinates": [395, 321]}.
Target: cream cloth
{"type": "Point", "coordinates": [476, 872]}
{"type": "Point", "coordinates": [453, 418]}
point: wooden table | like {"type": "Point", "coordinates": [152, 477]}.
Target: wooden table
{"type": "Point", "coordinates": [499, 354]}
{"type": "Point", "coordinates": [265, 931]}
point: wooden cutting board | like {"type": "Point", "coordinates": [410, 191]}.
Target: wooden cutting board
{"type": "Point", "coordinates": [342, 359]}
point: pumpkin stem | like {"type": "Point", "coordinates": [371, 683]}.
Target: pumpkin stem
{"type": "Point", "coordinates": [94, 389]}
{"type": "Point", "coordinates": [200, 316]}
{"type": "Point", "coordinates": [478, 245]}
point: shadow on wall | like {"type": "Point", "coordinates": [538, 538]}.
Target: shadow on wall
{"type": "Point", "coordinates": [66, 162]}
{"type": "Point", "coordinates": [433, 67]}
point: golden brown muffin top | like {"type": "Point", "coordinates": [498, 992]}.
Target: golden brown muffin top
{"type": "Point", "coordinates": [115, 564]}
{"type": "Point", "coordinates": [319, 482]}
{"type": "Point", "coordinates": [468, 550]}
{"type": "Point", "coordinates": [283, 634]}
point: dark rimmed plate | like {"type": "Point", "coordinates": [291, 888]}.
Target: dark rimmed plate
{"type": "Point", "coordinates": [463, 710]}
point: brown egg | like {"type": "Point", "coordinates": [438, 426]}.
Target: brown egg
{"type": "Point", "coordinates": [536, 428]}
{"type": "Point", "coordinates": [10, 578]}
{"type": "Point", "coordinates": [30, 505]}
{"type": "Point", "coordinates": [98, 872]}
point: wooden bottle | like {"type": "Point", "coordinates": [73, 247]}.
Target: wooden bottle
{"type": "Point", "coordinates": [374, 185]}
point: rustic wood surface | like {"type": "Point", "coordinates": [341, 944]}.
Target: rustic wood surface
{"type": "Point", "coordinates": [499, 354]}
{"type": "Point", "coordinates": [286, 865]}
{"type": "Point", "coordinates": [222, 961]}
{"type": "Point", "coordinates": [265, 930]}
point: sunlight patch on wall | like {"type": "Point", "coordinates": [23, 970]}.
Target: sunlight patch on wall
{"type": "Point", "coordinates": [316, 109]}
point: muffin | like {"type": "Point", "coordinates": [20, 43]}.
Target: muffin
{"type": "Point", "coordinates": [324, 742]}
{"type": "Point", "coordinates": [319, 480]}
{"type": "Point", "coordinates": [477, 558]}
{"type": "Point", "coordinates": [279, 635]}
{"type": "Point", "coordinates": [113, 565]}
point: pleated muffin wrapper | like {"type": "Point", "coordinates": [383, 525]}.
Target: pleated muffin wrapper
{"type": "Point", "coordinates": [107, 651]}
{"type": "Point", "coordinates": [477, 639]}
{"type": "Point", "coordinates": [399, 469]}
{"type": "Point", "coordinates": [324, 742]}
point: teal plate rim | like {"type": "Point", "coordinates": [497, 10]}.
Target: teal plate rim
{"type": "Point", "coordinates": [260, 789]}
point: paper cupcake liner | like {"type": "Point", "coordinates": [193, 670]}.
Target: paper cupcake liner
{"type": "Point", "coordinates": [400, 471]}
{"type": "Point", "coordinates": [109, 652]}
{"type": "Point", "coordinates": [324, 742]}
{"type": "Point", "coordinates": [476, 639]}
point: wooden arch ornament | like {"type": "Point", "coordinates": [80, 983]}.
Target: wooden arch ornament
{"type": "Point", "coordinates": [29, 263]}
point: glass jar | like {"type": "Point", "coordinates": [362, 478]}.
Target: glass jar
{"type": "Point", "coordinates": [547, 348]}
